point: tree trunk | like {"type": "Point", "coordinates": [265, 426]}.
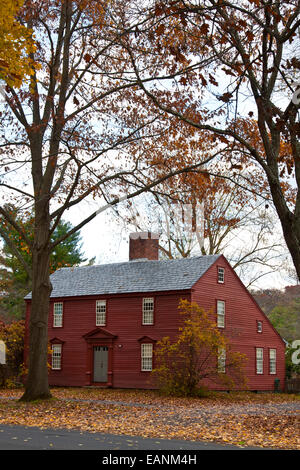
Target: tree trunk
{"type": "Point", "coordinates": [293, 243]}
{"type": "Point", "coordinates": [37, 386]}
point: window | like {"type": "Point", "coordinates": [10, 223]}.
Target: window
{"type": "Point", "coordinates": [146, 354]}
{"type": "Point", "coordinates": [58, 314]}
{"type": "Point", "coordinates": [259, 327]}
{"type": "Point", "coordinates": [221, 275]}
{"type": "Point", "coordinates": [148, 311]}
{"type": "Point", "coordinates": [221, 360]}
{"type": "Point", "coordinates": [272, 359]}
{"type": "Point", "coordinates": [220, 313]}
{"type": "Point", "coordinates": [259, 360]}
{"type": "Point", "coordinates": [56, 356]}
{"type": "Point", "coordinates": [100, 312]}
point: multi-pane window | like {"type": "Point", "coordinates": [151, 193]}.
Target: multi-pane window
{"type": "Point", "coordinates": [259, 360]}
{"type": "Point", "coordinates": [220, 313]}
{"type": "Point", "coordinates": [259, 327]}
{"type": "Point", "coordinates": [58, 314]}
{"type": "Point", "coordinates": [272, 359]}
{"type": "Point", "coordinates": [221, 360]}
{"type": "Point", "coordinates": [146, 356]}
{"type": "Point", "coordinates": [221, 275]}
{"type": "Point", "coordinates": [56, 356]}
{"type": "Point", "coordinates": [148, 311]}
{"type": "Point", "coordinates": [100, 312]}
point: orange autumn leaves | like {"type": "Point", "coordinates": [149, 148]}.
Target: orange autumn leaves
{"type": "Point", "coordinates": [16, 45]}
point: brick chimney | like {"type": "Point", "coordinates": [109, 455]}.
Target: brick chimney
{"type": "Point", "coordinates": [143, 245]}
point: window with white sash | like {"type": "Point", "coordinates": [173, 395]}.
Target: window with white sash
{"type": "Point", "coordinates": [146, 356]}
{"type": "Point", "coordinates": [148, 311]}
{"type": "Point", "coordinates": [272, 359]}
{"type": "Point", "coordinates": [259, 327]}
{"type": "Point", "coordinates": [57, 314]}
{"type": "Point", "coordinates": [221, 360]}
{"type": "Point", "coordinates": [221, 313]}
{"type": "Point", "coordinates": [221, 275]}
{"type": "Point", "coordinates": [100, 312]}
{"type": "Point", "coordinates": [56, 357]}
{"type": "Point", "coordinates": [259, 360]}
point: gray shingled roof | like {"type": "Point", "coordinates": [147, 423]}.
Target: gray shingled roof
{"type": "Point", "coordinates": [132, 276]}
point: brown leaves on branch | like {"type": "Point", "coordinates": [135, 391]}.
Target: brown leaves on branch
{"type": "Point", "coordinates": [226, 97]}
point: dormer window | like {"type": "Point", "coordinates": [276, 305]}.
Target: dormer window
{"type": "Point", "coordinates": [221, 275]}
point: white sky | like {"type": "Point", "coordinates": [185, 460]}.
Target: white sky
{"type": "Point", "coordinates": [107, 240]}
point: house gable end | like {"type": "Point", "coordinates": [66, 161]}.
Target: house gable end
{"type": "Point", "coordinates": [228, 266]}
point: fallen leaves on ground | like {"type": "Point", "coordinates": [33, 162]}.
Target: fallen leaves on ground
{"type": "Point", "coordinates": [240, 418]}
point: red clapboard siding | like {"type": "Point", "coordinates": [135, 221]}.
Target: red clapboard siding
{"type": "Point", "coordinates": [241, 316]}
{"type": "Point", "coordinates": [124, 320]}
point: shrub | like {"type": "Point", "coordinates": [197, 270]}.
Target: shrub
{"type": "Point", "coordinates": [183, 365]}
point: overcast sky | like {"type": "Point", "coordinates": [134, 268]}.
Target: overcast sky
{"type": "Point", "coordinates": [107, 240]}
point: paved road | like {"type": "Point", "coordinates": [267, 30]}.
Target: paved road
{"type": "Point", "coordinates": [34, 438]}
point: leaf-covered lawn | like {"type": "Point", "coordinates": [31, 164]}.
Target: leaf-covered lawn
{"type": "Point", "coordinates": [241, 418]}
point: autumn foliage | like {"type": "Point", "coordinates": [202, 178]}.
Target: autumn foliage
{"type": "Point", "coordinates": [197, 355]}
{"type": "Point", "coordinates": [237, 71]}
{"type": "Point", "coordinates": [16, 45]}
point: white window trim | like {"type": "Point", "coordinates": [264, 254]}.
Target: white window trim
{"type": "Point", "coordinates": [273, 361]}
{"type": "Point", "coordinates": [221, 273]}
{"type": "Point", "coordinates": [58, 317]}
{"type": "Point", "coordinates": [221, 314]}
{"type": "Point", "coordinates": [259, 361]}
{"type": "Point", "coordinates": [259, 326]}
{"type": "Point", "coordinates": [56, 356]}
{"type": "Point", "coordinates": [146, 357]}
{"type": "Point", "coordinates": [148, 313]}
{"type": "Point", "coordinates": [100, 312]}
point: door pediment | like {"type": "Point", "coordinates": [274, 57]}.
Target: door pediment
{"type": "Point", "coordinates": [99, 334]}
{"type": "Point", "coordinates": [56, 341]}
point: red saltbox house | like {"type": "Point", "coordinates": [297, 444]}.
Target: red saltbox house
{"type": "Point", "coordinates": [105, 320]}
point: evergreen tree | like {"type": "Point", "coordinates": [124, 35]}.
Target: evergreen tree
{"type": "Point", "coordinates": [15, 282]}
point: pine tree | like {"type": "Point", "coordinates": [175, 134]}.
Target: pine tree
{"type": "Point", "coordinates": [15, 282]}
